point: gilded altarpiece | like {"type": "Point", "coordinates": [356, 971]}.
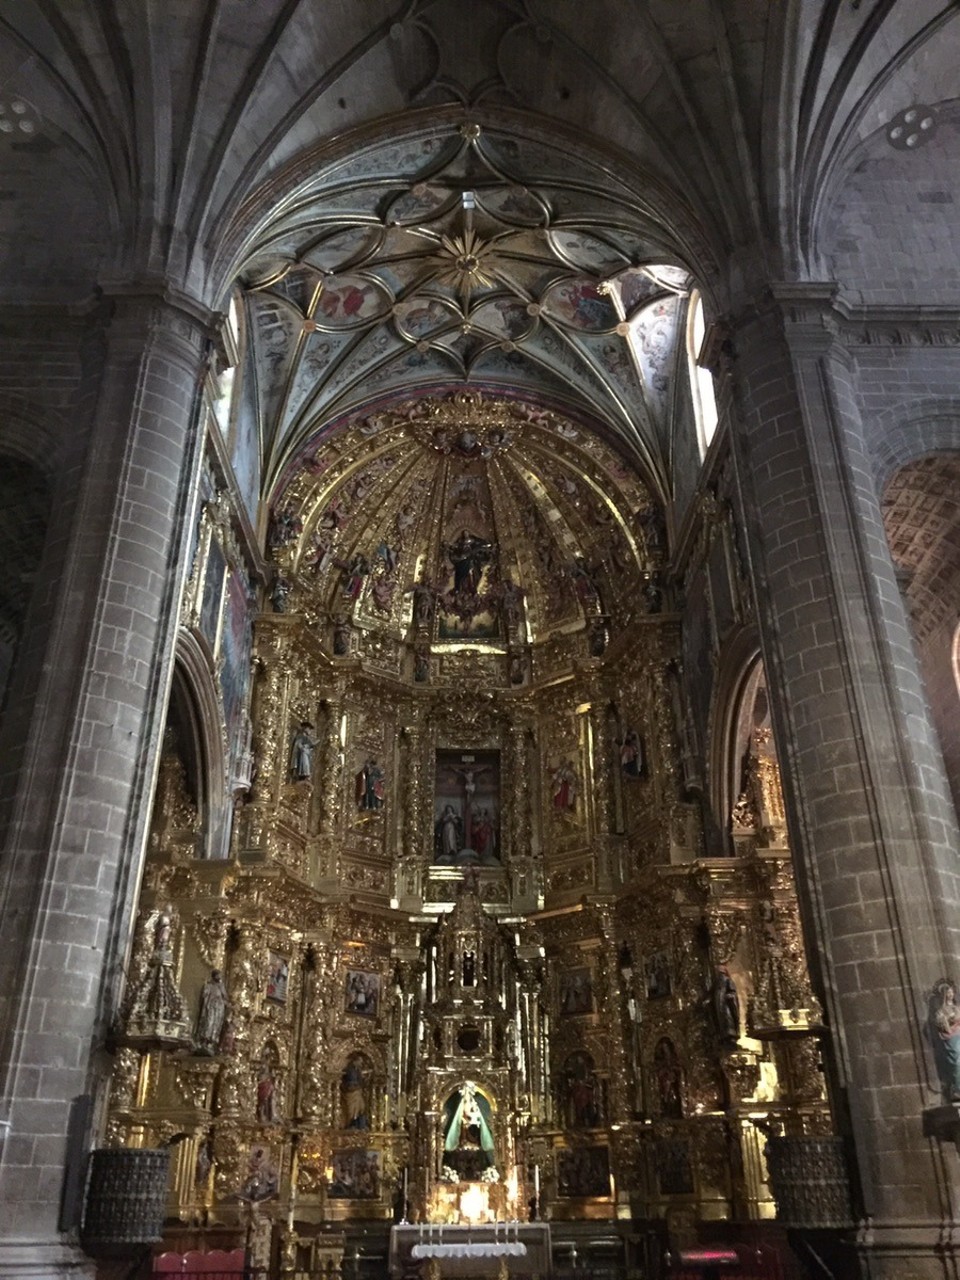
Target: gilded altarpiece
{"type": "Point", "coordinates": [467, 960]}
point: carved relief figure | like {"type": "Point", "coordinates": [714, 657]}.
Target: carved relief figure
{"type": "Point", "coordinates": [354, 574]}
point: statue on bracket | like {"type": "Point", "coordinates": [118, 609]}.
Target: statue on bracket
{"type": "Point", "coordinates": [726, 1005]}
{"type": "Point", "coordinates": [945, 1037]}
{"type": "Point", "coordinates": [214, 1006]}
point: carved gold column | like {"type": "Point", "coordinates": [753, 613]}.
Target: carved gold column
{"type": "Point", "coordinates": [313, 1081]}
{"type": "Point", "coordinates": [608, 994]}
{"type": "Point", "coordinates": [526, 867]}
{"type": "Point", "coordinates": [330, 782]}
{"type": "Point", "coordinates": [408, 884]}
{"type": "Point", "coordinates": [601, 789]}
{"type": "Point", "coordinates": [410, 971]}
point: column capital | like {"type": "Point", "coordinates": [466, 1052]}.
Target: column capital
{"type": "Point", "coordinates": [158, 291]}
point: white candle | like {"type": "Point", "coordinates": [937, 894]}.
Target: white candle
{"type": "Point", "coordinates": [536, 1181]}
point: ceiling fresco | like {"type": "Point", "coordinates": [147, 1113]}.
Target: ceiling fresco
{"type": "Point", "coordinates": [481, 521]}
{"type": "Point", "coordinates": [468, 258]}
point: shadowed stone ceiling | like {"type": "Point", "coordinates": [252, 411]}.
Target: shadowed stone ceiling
{"type": "Point", "coordinates": [176, 119]}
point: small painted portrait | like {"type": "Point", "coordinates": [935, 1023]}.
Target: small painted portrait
{"type": "Point", "coordinates": [278, 975]}
{"type": "Point", "coordinates": [362, 993]}
{"type": "Point", "coordinates": [583, 1172]}
{"type": "Point", "coordinates": [356, 1175]}
{"type": "Point", "coordinates": [576, 992]}
{"type": "Point", "coordinates": [657, 972]}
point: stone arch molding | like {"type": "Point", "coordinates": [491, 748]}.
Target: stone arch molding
{"type": "Point", "coordinates": [192, 664]}
{"type": "Point", "coordinates": [906, 433]}
{"type": "Point", "coordinates": [738, 667]}
{"type": "Point", "coordinates": [32, 435]}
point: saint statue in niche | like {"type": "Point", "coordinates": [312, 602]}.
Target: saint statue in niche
{"type": "Point", "coordinates": [468, 1145]}
{"type": "Point", "coordinates": [353, 1093]}
{"type": "Point", "coordinates": [371, 785]}
{"type": "Point", "coordinates": [301, 752]}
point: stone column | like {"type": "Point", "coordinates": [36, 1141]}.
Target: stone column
{"type": "Point", "coordinates": [98, 687]}
{"type": "Point", "coordinates": [873, 832]}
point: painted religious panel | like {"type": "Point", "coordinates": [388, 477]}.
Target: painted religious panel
{"type": "Point", "coordinates": [674, 1170]}
{"type": "Point", "coordinates": [210, 607]}
{"type": "Point", "coordinates": [583, 1172]}
{"type": "Point", "coordinates": [235, 650]}
{"type": "Point", "coordinates": [362, 993]}
{"type": "Point", "coordinates": [356, 1175]}
{"type": "Point", "coordinates": [278, 976]}
{"type": "Point", "coordinates": [260, 1175]}
{"type": "Point", "coordinates": [576, 991]}
{"type": "Point", "coordinates": [466, 809]}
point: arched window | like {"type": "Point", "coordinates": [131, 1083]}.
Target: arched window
{"type": "Point", "coordinates": [701, 380]}
{"type": "Point", "coordinates": [227, 380]}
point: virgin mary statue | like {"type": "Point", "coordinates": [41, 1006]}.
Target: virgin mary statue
{"type": "Point", "coordinates": [468, 1115]}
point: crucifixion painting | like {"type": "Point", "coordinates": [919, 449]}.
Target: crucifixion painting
{"type": "Point", "coordinates": [467, 808]}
